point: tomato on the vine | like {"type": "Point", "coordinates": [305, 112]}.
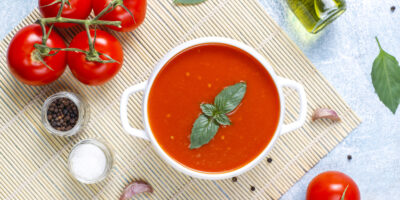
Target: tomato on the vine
{"type": "Point", "coordinates": [128, 23]}
{"type": "Point", "coordinates": [23, 60]}
{"type": "Point", "coordinates": [331, 185]}
{"type": "Point", "coordinates": [78, 9]}
{"type": "Point", "coordinates": [91, 72]}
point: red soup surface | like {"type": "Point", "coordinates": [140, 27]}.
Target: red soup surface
{"type": "Point", "coordinates": [197, 75]}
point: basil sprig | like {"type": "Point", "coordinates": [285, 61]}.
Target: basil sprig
{"type": "Point", "coordinates": [188, 1]}
{"type": "Point", "coordinates": [207, 124]}
{"type": "Point", "coordinates": [386, 79]}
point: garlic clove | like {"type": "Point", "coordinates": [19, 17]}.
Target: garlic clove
{"type": "Point", "coordinates": [325, 113]}
{"type": "Point", "coordinates": [136, 187]}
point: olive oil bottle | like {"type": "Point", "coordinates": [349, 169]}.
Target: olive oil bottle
{"type": "Point", "coordinates": [316, 14]}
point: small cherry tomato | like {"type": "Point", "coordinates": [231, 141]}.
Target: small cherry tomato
{"type": "Point", "coordinates": [331, 185]}
{"type": "Point", "coordinates": [92, 72]}
{"type": "Point", "coordinates": [128, 23]}
{"type": "Point", "coordinates": [23, 61]}
{"type": "Point", "coordinates": [78, 9]}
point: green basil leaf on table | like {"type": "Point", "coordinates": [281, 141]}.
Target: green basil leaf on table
{"type": "Point", "coordinates": [230, 97]}
{"type": "Point", "coordinates": [208, 109]}
{"type": "Point", "coordinates": [204, 129]}
{"type": "Point", "coordinates": [386, 79]}
{"type": "Point", "coordinates": [207, 124]}
{"type": "Point", "coordinates": [188, 1]}
{"type": "Point", "coordinates": [222, 119]}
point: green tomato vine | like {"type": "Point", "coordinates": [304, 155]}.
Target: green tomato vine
{"type": "Point", "coordinates": [42, 50]}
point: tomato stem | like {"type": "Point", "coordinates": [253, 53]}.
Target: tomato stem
{"type": "Point", "coordinates": [50, 4]}
{"type": "Point", "coordinates": [92, 55]}
{"type": "Point", "coordinates": [36, 55]}
{"type": "Point", "coordinates": [128, 11]}
{"type": "Point", "coordinates": [344, 192]}
{"type": "Point", "coordinates": [106, 10]}
{"type": "Point", "coordinates": [91, 45]}
{"type": "Point", "coordinates": [61, 9]}
{"type": "Point", "coordinates": [52, 20]}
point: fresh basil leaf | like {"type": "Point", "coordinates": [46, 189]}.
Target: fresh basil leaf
{"type": "Point", "coordinates": [208, 109]}
{"type": "Point", "coordinates": [230, 97]}
{"type": "Point", "coordinates": [204, 129]}
{"type": "Point", "coordinates": [222, 119]}
{"type": "Point", "coordinates": [207, 124]}
{"type": "Point", "coordinates": [188, 1]}
{"type": "Point", "coordinates": [344, 193]}
{"type": "Point", "coordinates": [386, 79]}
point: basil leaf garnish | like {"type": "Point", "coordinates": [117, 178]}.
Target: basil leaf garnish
{"type": "Point", "coordinates": [222, 119]}
{"type": "Point", "coordinates": [204, 129]}
{"type": "Point", "coordinates": [207, 124]}
{"type": "Point", "coordinates": [188, 1]}
{"type": "Point", "coordinates": [230, 97]}
{"type": "Point", "coordinates": [208, 109]}
{"type": "Point", "coordinates": [386, 79]}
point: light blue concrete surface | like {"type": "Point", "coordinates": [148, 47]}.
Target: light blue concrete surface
{"type": "Point", "coordinates": [344, 53]}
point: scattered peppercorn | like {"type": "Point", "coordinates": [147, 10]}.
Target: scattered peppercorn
{"type": "Point", "coordinates": [62, 114]}
{"type": "Point", "coordinates": [252, 188]}
{"type": "Point", "coordinates": [269, 160]}
{"type": "Point", "coordinates": [393, 8]}
{"type": "Point", "coordinates": [234, 179]}
{"type": "Point", "coordinates": [349, 157]}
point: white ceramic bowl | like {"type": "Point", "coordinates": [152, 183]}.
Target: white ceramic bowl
{"type": "Point", "coordinates": [148, 134]}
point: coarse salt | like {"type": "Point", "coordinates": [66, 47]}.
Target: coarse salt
{"type": "Point", "coordinates": [88, 162]}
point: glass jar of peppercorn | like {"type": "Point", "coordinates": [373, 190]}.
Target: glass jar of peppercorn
{"type": "Point", "coordinates": [65, 114]}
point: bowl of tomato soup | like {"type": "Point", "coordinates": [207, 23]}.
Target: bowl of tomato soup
{"type": "Point", "coordinates": [193, 74]}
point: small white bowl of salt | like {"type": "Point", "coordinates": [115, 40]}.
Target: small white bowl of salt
{"type": "Point", "coordinates": [90, 161]}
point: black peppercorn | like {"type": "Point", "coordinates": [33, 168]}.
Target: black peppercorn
{"type": "Point", "coordinates": [393, 8]}
{"type": "Point", "coordinates": [62, 114]}
{"type": "Point", "coordinates": [269, 160]}
{"type": "Point", "coordinates": [234, 179]}
{"type": "Point", "coordinates": [252, 188]}
{"type": "Point", "coordinates": [349, 157]}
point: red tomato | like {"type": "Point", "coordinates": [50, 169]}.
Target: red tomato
{"type": "Point", "coordinates": [79, 9]}
{"type": "Point", "coordinates": [330, 185]}
{"type": "Point", "coordinates": [137, 8]}
{"type": "Point", "coordinates": [95, 73]}
{"type": "Point", "coordinates": [23, 63]}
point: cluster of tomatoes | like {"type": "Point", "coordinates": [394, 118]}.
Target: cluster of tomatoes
{"type": "Point", "coordinates": [30, 69]}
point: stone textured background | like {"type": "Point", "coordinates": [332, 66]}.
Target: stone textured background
{"type": "Point", "coordinates": [344, 53]}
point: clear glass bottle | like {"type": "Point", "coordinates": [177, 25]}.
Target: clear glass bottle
{"type": "Point", "coordinates": [109, 156]}
{"type": "Point", "coordinates": [316, 14]}
{"type": "Point", "coordinates": [83, 113]}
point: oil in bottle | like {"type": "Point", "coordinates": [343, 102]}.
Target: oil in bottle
{"type": "Point", "coordinates": [316, 14]}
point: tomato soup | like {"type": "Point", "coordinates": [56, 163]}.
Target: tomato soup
{"type": "Point", "coordinates": [196, 75]}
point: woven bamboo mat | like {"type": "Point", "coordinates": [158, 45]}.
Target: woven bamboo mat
{"type": "Point", "coordinates": [33, 163]}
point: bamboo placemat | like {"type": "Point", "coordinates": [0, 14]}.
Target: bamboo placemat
{"type": "Point", "coordinates": [33, 163]}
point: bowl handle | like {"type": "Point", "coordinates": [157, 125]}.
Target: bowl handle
{"type": "Point", "coordinates": [283, 82]}
{"type": "Point", "coordinates": [124, 111]}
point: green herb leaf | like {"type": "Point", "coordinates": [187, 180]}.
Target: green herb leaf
{"type": "Point", "coordinates": [222, 119]}
{"type": "Point", "coordinates": [344, 192]}
{"type": "Point", "coordinates": [208, 109]}
{"type": "Point", "coordinates": [207, 124]}
{"type": "Point", "coordinates": [188, 1]}
{"type": "Point", "coordinates": [204, 129]}
{"type": "Point", "coordinates": [230, 97]}
{"type": "Point", "coordinates": [386, 79]}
